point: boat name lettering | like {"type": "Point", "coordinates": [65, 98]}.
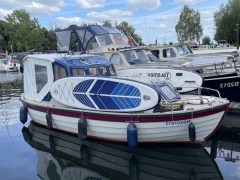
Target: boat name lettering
{"type": "Point", "coordinates": [178, 122]}
{"type": "Point", "coordinates": [166, 75]}
{"type": "Point", "coordinates": [230, 84]}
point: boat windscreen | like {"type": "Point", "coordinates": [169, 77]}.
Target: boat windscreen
{"type": "Point", "coordinates": [129, 56]}
{"type": "Point", "coordinates": [168, 92]}
{"type": "Point", "coordinates": [152, 57]}
{"type": "Point", "coordinates": [105, 40]}
{"type": "Point", "coordinates": [182, 50]}
{"type": "Point", "coordinates": [112, 70]}
{"type": "Point", "coordinates": [142, 55]}
{"type": "Point", "coordinates": [98, 71]}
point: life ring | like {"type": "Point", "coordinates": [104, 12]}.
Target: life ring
{"type": "Point", "coordinates": [201, 100]}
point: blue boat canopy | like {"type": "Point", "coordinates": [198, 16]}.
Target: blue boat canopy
{"type": "Point", "coordinates": [90, 37]}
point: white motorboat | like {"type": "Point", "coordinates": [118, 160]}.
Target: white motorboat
{"type": "Point", "coordinates": [82, 95]}
{"type": "Point", "coordinates": [6, 65]}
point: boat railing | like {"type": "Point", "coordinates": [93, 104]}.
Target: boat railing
{"type": "Point", "coordinates": [172, 103]}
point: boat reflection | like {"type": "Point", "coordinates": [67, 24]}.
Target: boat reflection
{"type": "Point", "coordinates": [225, 143]}
{"type": "Point", "coordinates": [64, 156]}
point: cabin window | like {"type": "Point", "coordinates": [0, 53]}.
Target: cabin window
{"type": "Point", "coordinates": [116, 59]}
{"type": "Point", "coordinates": [93, 44]}
{"type": "Point", "coordinates": [41, 76]}
{"type": "Point", "coordinates": [112, 69]}
{"type": "Point", "coordinates": [168, 92]}
{"type": "Point", "coordinates": [78, 71]}
{"type": "Point", "coordinates": [155, 53]}
{"type": "Point", "coordinates": [98, 71]}
{"type": "Point", "coordinates": [167, 53]}
{"type": "Point", "coordinates": [142, 55]}
{"type": "Point", "coordinates": [105, 40]}
{"type": "Point", "coordinates": [129, 56]}
{"type": "Point", "coordinates": [59, 72]}
{"type": "Point", "coordinates": [118, 39]}
{"type": "Point", "coordinates": [182, 50]}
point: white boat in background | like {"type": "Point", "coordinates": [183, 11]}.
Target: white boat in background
{"type": "Point", "coordinates": [107, 107]}
{"type": "Point", "coordinates": [93, 159]}
{"type": "Point", "coordinates": [6, 65]}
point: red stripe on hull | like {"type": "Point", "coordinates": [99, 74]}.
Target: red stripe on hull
{"type": "Point", "coordinates": [123, 118]}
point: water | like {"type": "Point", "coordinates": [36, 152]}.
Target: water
{"type": "Point", "coordinates": [33, 152]}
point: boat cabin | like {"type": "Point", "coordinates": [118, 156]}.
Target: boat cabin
{"type": "Point", "coordinates": [42, 70]}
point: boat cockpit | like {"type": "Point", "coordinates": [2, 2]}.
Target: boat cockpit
{"type": "Point", "coordinates": [86, 65]}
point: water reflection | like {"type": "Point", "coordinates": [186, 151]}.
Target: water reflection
{"type": "Point", "coordinates": [64, 156]}
{"type": "Point", "coordinates": [225, 143]}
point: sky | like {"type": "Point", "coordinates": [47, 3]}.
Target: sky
{"type": "Point", "coordinates": [152, 19]}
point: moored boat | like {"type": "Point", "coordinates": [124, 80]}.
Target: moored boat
{"type": "Point", "coordinates": [82, 95]}
{"type": "Point", "coordinates": [6, 65]}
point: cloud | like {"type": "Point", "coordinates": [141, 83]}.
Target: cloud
{"type": "Point", "coordinates": [62, 22]}
{"type": "Point", "coordinates": [172, 17]}
{"type": "Point", "coordinates": [187, 2]}
{"type": "Point", "coordinates": [34, 7]}
{"type": "Point", "coordinates": [90, 4]}
{"type": "Point", "coordinates": [144, 4]}
{"type": "Point", "coordinates": [112, 15]}
{"type": "Point", "coordinates": [4, 13]}
{"type": "Point", "coordinates": [156, 26]}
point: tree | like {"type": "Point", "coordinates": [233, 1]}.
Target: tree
{"type": "Point", "coordinates": [107, 23]}
{"type": "Point", "coordinates": [226, 19]}
{"type": "Point", "coordinates": [131, 30]}
{"type": "Point", "coordinates": [206, 40]}
{"type": "Point", "coordinates": [23, 33]}
{"type": "Point", "coordinates": [188, 26]}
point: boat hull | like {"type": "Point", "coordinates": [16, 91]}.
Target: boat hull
{"type": "Point", "coordinates": [227, 85]}
{"type": "Point", "coordinates": [154, 127]}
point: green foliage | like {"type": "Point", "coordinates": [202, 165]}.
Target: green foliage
{"type": "Point", "coordinates": [188, 26]}
{"type": "Point", "coordinates": [226, 19]}
{"type": "Point", "coordinates": [206, 40]}
{"type": "Point", "coordinates": [131, 30]}
{"type": "Point", "coordinates": [107, 23]}
{"type": "Point", "coordinates": [23, 33]}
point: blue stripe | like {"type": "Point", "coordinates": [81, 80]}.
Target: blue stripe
{"type": "Point", "coordinates": [97, 102]}
{"type": "Point", "coordinates": [135, 89]}
{"type": "Point", "coordinates": [129, 91]}
{"type": "Point", "coordinates": [81, 86]}
{"type": "Point", "coordinates": [118, 88]}
{"type": "Point", "coordinates": [133, 102]}
{"type": "Point", "coordinates": [118, 102]}
{"type": "Point", "coordinates": [124, 103]}
{"type": "Point", "coordinates": [109, 102]}
{"type": "Point", "coordinates": [96, 86]}
{"type": "Point", "coordinates": [139, 94]}
{"type": "Point", "coordinates": [136, 93]}
{"type": "Point", "coordinates": [130, 102]}
{"type": "Point", "coordinates": [123, 90]}
{"type": "Point", "coordinates": [82, 98]}
{"type": "Point", "coordinates": [137, 101]}
{"type": "Point", "coordinates": [108, 87]}
{"type": "Point", "coordinates": [89, 82]}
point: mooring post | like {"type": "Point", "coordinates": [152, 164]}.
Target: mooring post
{"type": "Point", "coordinates": [237, 27]}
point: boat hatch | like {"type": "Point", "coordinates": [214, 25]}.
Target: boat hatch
{"type": "Point", "coordinates": [167, 92]}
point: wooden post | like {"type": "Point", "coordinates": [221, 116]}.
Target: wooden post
{"type": "Point", "coordinates": [237, 36]}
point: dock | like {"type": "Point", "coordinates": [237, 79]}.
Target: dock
{"type": "Point", "coordinates": [234, 107]}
